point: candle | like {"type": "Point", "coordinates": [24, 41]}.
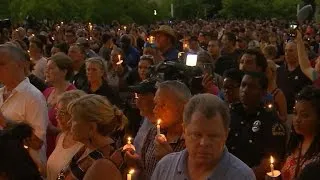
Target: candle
{"type": "Point", "coordinates": [158, 126]}
{"type": "Point", "coordinates": [129, 140]}
{"type": "Point", "coordinates": [274, 173]}
{"type": "Point", "coordinates": [90, 26]}
{"type": "Point", "coordinates": [185, 45]}
{"type": "Point", "coordinates": [271, 165]}
{"type": "Point", "coordinates": [129, 175]}
{"type": "Point", "coordinates": [119, 60]}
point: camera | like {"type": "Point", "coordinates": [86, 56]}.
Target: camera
{"type": "Point", "coordinates": [171, 70]}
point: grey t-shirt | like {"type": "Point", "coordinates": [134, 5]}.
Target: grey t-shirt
{"type": "Point", "coordinates": [173, 167]}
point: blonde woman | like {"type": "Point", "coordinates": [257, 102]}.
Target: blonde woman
{"type": "Point", "coordinates": [96, 71]}
{"type": "Point", "coordinates": [66, 147]}
{"type": "Point", "coordinates": [279, 100]}
{"type": "Point", "coordinates": [94, 120]}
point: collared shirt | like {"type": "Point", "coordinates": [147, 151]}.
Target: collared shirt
{"type": "Point", "coordinates": [149, 160]}
{"type": "Point", "coordinates": [141, 135]}
{"type": "Point", "coordinates": [174, 167]}
{"type": "Point", "coordinates": [255, 136]}
{"type": "Point", "coordinates": [27, 104]}
{"type": "Point", "coordinates": [291, 83]}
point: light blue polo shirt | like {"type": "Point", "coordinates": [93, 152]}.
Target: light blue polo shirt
{"type": "Point", "coordinates": [174, 167]}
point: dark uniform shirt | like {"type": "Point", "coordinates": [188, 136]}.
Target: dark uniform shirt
{"type": "Point", "coordinates": [253, 137]}
{"type": "Point", "coordinates": [291, 83]}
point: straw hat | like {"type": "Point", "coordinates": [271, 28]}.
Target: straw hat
{"type": "Point", "coordinates": [165, 30]}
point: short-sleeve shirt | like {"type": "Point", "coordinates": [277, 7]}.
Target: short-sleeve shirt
{"type": "Point", "coordinates": [291, 83]}
{"type": "Point", "coordinates": [255, 136]}
{"type": "Point", "coordinates": [149, 160]}
{"type": "Point", "coordinates": [174, 167]}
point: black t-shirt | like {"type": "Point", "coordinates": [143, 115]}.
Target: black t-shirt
{"type": "Point", "coordinates": [107, 92]}
{"type": "Point", "coordinates": [291, 83]}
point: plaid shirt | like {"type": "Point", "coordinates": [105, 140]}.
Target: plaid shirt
{"type": "Point", "coordinates": [149, 160]}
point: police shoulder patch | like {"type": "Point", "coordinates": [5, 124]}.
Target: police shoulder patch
{"type": "Point", "coordinates": [278, 130]}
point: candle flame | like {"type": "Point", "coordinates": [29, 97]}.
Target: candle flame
{"type": "Point", "coordinates": [159, 121]}
{"type": "Point", "coordinates": [61, 22]}
{"type": "Point", "coordinates": [32, 35]}
{"type": "Point", "coordinates": [129, 140]}
{"type": "Point", "coordinates": [131, 171]}
{"type": "Point", "coordinates": [185, 45]}
{"type": "Point", "coordinates": [125, 27]}
{"type": "Point", "coordinates": [25, 146]}
{"type": "Point", "coordinates": [269, 106]}
{"type": "Point", "coordinates": [271, 159]}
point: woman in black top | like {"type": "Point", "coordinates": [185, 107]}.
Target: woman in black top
{"type": "Point", "coordinates": [96, 70]}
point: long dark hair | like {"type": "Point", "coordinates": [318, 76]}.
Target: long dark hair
{"type": "Point", "coordinates": [311, 95]}
{"type": "Point", "coordinates": [16, 163]}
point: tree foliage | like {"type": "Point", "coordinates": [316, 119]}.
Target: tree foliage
{"type": "Point", "coordinates": [141, 11]}
{"type": "Point", "coordinates": [259, 9]}
{"type": "Point", "coordinates": [99, 11]}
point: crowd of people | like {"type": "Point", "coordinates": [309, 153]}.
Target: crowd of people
{"type": "Point", "coordinates": [78, 101]}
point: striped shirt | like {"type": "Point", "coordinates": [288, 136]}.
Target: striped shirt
{"type": "Point", "coordinates": [149, 160]}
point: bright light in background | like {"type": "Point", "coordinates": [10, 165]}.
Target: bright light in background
{"type": "Point", "coordinates": [155, 12]}
{"type": "Point", "coordinates": [191, 60]}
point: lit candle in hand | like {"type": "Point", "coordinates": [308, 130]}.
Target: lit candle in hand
{"type": "Point", "coordinates": [158, 126]}
{"type": "Point", "coordinates": [129, 140]}
{"type": "Point", "coordinates": [129, 175]}
{"type": "Point", "coordinates": [119, 60]}
{"type": "Point", "coordinates": [129, 145]}
{"type": "Point", "coordinates": [273, 173]}
{"type": "Point", "coordinates": [271, 165]}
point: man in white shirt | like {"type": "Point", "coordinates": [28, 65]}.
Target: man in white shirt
{"type": "Point", "coordinates": [19, 99]}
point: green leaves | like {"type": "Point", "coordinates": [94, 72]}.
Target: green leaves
{"type": "Point", "coordinates": [259, 9]}
{"type": "Point", "coordinates": [98, 11]}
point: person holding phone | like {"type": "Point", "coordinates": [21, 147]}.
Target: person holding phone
{"type": "Point", "coordinates": [312, 73]}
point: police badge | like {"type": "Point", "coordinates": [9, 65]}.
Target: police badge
{"type": "Point", "coordinates": [256, 126]}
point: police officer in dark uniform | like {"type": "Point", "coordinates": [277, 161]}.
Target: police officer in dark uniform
{"type": "Point", "coordinates": [255, 131]}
